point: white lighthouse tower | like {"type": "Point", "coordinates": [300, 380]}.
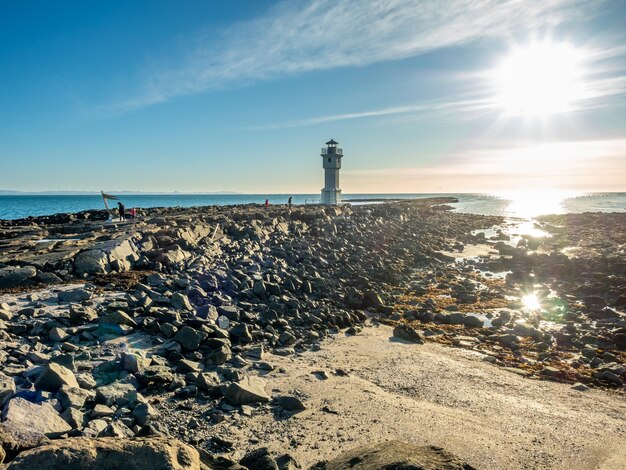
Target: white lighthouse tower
{"type": "Point", "coordinates": [331, 158]}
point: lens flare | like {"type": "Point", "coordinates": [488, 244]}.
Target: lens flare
{"type": "Point", "coordinates": [531, 302]}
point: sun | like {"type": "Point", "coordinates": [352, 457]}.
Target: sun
{"type": "Point", "coordinates": [539, 79]}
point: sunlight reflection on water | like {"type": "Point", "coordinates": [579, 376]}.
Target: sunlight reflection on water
{"type": "Point", "coordinates": [532, 203]}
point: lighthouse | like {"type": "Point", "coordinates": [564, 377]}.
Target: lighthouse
{"type": "Point", "coordinates": [331, 160]}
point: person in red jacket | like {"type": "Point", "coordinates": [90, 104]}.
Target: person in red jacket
{"type": "Point", "coordinates": [267, 203]}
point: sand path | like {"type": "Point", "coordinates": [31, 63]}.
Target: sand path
{"type": "Point", "coordinates": [431, 394]}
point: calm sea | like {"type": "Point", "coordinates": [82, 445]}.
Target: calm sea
{"type": "Point", "coordinates": [528, 204]}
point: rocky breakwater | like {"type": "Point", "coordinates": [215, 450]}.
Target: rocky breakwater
{"type": "Point", "coordinates": [167, 325]}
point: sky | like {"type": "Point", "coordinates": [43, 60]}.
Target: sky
{"type": "Point", "coordinates": [422, 95]}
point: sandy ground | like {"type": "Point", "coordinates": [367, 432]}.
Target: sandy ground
{"type": "Point", "coordinates": [432, 394]}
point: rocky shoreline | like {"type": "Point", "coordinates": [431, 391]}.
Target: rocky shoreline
{"type": "Point", "coordinates": [167, 325]}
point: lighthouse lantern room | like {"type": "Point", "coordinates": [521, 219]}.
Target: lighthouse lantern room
{"type": "Point", "coordinates": [331, 158]}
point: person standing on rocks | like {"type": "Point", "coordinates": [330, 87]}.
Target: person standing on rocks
{"type": "Point", "coordinates": [267, 203]}
{"type": "Point", "coordinates": [121, 210]}
{"type": "Point", "coordinates": [289, 202]}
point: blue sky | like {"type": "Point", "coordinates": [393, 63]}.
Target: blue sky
{"type": "Point", "coordinates": [240, 95]}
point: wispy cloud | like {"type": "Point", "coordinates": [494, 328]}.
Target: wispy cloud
{"type": "Point", "coordinates": [298, 37]}
{"type": "Point", "coordinates": [471, 106]}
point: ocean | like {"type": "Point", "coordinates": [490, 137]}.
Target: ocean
{"type": "Point", "coordinates": [520, 204]}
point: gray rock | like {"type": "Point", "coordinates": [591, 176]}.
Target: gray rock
{"type": "Point", "coordinates": [144, 413]}
{"type": "Point", "coordinates": [185, 365]}
{"type": "Point", "coordinates": [134, 362]}
{"type": "Point", "coordinates": [58, 334]}
{"type": "Point", "coordinates": [95, 427]}
{"type": "Point", "coordinates": [241, 332]}
{"type": "Point", "coordinates": [80, 453]}
{"type": "Point", "coordinates": [397, 455]}
{"type": "Point", "coordinates": [101, 411]}
{"type": "Point", "coordinates": [472, 321]}
{"type": "Point", "coordinates": [207, 380]}
{"type": "Point", "coordinates": [5, 314]}
{"type": "Point", "coordinates": [255, 352]}
{"type": "Point", "coordinates": [80, 314]}
{"type": "Point", "coordinates": [117, 393]}
{"type": "Point", "coordinates": [524, 329]}
{"type": "Point", "coordinates": [259, 459]}
{"type": "Point", "coordinates": [408, 333]}
{"type": "Point", "coordinates": [14, 439]}
{"type": "Point", "coordinates": [220, 355]}
{"type": "Point", "coordinates": [229, 311]}
{"type": "Point", "coordinates": [74, 418]}
{"type": "Point", "coordinates": [118, 317]}
{"type": "Point", "coordinates": [207, 311]}
{"type": "Point", "coordinates": [259, 288]}
{"type": "Point", "coordinates": [287, 339]}
{"type": "Point", "coordinates": [168, 330]}
{"type": "Point", "coordinates": [291, 403]}
{"type": "Point", "coordinates": [16, 276]}
{"type": "Point", "coordinates": [74, 295]}
{"type": "Point", "coordinates": [181, 301]}
{"type": "Point", "coordinates": [249, 390]}
{"type": "Point", "coordinates": [73, 397]}
{"type": "Point", "coordinates": [91, 262]}
{"type": "Point", "coordinates": [190, 338]}
{"type": "Point", "coordinates": [117, 429]}
{"type": "Point", "coordinates": [42, 418]}
{"type": "Point", "coordinates": [54, 377]}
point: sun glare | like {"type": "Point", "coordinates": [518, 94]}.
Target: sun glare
{"type": "Point", "coordinates": [531, 302]}
{"type": "Point", "coordinates": [531, 202]}
{"type": "Point", "coordinates": [540, 79]}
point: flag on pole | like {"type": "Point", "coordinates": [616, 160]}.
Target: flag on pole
{"type": "Point", "coordinates": [106, 206]}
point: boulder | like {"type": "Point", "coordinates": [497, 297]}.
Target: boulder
{"type": "Point", "coordinates": [5, 314]}
{"type": "Point", "coordinates": [14, 439]}
{"type": "Point", "coordinates": [74, 418]}
{"type": "Point", "coordinates": [408, 333]}
{"type": "Point", "coordinates": [134, 362]}
{"type": "Point", "coordinates": [189, 338]}
{"type": "Point", "coordinates": [58, 334]}
{"type": "Point", "coordinates": [80, 453]}
{"type": "Point", "coordinates": [396, 455]}
{"type": "Point", "coordinates": [118, 317]}
{"type": "Point", "coordinates": [73, 397]}
{"type": "Point", "coordinates": [91, 262]}
{"type": "Point", "coordinates": [54, 377]}
{"type": "Point", "coordinates": [259, 459]}
{"type": "Point", "coordinates": [74, 295]}
{"type": "Point", "coordinates": [38, 418]}
{"type": "Point", "coordinates": [180, 301]}
{"type": "Point", "coordinates": [472, 321]}
{"type": "Point", "coordinates": [80, 314]}
{"type": "Point", "coordinates": [290, 403]}
{"type": "Point", "coordinates": [13, 276]}
{"type": "Point", "coordinates": [109, 255]}
{"type": "Point", "coordinates": [144, 413]}
{"type": "Point", "coordinates": [117, 393]}
{"type": "Point", "coordinates": [249, 390]}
